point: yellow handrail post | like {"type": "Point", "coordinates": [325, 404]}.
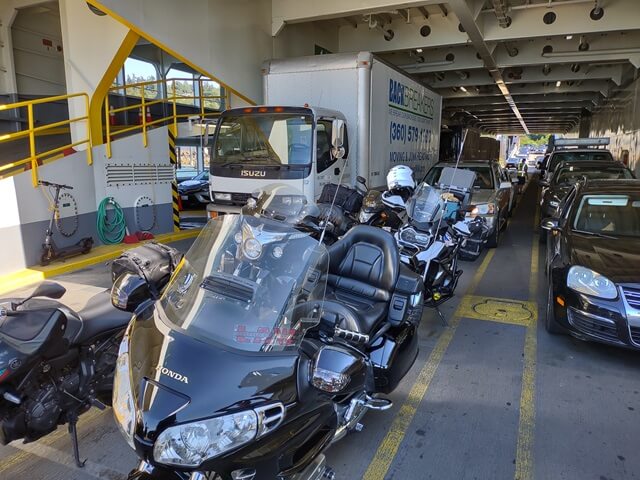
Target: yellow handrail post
{"type": "Point", "coordinates": [175, 110]}
{"type": "Point", "coordinates": [143, 113]}
{"type": "Point", "coordinates": [107, 122]}
{"type": "Point", "coordinates": [32, 146]}
{"type": "Point", "coordinates": [89, 139]}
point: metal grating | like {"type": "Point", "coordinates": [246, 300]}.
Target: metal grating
{"type": "Point", "coordinates": [635, 334]}
{"type": "Point", "coordinates": [632, 295]}
{"type": "Point", "coordinates": [596, 327]}
{"type": "Point", "coordinates": [138, 174]}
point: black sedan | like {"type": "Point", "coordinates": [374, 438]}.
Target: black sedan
{"type": "Point", "coordinates": [195, 192]}
{"type": "Point", "coordinates": [593, 263]}
{"type": "Point", "coordinates": [569, 172]}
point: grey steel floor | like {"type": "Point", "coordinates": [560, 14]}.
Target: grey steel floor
{"type": "Point", "coordinates": [485, 400]}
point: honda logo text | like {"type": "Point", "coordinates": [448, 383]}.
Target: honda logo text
{"type": "Point", "coordinates": [176, 376]}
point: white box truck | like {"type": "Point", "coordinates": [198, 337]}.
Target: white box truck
{"type": "Point", "coordinates": [390, 119]}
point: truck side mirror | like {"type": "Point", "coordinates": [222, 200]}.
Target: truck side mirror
{"type": "Point", "coordinates": [337, 138]}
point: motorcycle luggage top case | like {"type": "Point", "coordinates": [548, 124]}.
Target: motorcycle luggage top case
{"type": "Point", "coordinates": [153, 261]}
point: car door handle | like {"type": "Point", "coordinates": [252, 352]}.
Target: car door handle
{"type": "Point", "coordinates": [336, 171]}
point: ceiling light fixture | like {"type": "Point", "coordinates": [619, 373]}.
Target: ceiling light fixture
{"type": "Point", "coordinates": [558, 83]}
{"type": "Point", "coordinates": [569, 37]}
{"type": "Point", "coordinates": [418, 50]}
{"type": "Point", "coordinates": [463, 89]}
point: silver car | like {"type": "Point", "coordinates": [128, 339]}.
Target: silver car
{"type": "Point", "coordinates": [494, 194]}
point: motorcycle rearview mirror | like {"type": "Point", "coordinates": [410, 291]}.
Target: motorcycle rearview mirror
{"type": "Point", "coordinates": [129, 291]}
{"type": "Point", "coordinates": [45, 289]}
{"type": "Point", "coordinates": [361, 180]}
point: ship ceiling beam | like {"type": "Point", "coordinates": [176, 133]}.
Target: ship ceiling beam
{"type": "Point", "coordinates": [595, 86]}
{"type": "Point", "coordinates": [296, 11]}
{"type": "Point", "coordinates": [529, 75]}
{"type": "Point", "coordinates": [467, 20]}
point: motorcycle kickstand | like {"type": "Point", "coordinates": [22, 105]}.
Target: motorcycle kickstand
{"type": "Point", "coordinates": [73, 431]}
{"type": "Point", "coordinates": [442, 319]}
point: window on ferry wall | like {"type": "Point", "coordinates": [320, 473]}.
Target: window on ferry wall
{"type": "Point", "coordinates": [137, 71]}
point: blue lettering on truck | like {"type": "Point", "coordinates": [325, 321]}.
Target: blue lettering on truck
{"type": "Point", "coordinates": [409, 99]}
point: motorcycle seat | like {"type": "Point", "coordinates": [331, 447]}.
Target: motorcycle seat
{"type": "Point", "coordinates": [363, 269]}
{"type": "Point", "coordinates": [97, 317]}
{"type": "Point", "coordinates": [28, 332]}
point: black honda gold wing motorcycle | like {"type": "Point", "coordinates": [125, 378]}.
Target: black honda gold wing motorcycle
{"type": "Point", "coordinates": [265, 348]}
{"type": "Point", "coordinates": [55, 364]}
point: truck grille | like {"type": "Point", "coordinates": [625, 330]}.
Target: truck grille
{"type": "Point", "coordinates": [635, 335]}
{"type": "Point", "coordinates": [632, 295]}
{"type": "Point", "coordinates": [594, 326]}
{"type": "Point", "coordinates": [240, 197]}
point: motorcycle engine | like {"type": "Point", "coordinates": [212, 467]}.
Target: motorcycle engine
{"type": "Point", "coordinates": [39, 414]}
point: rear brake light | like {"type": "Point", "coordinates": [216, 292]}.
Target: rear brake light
{"type": "Point", "coordinates": [248, 110]}
{"type": "Point", "coordinates": [263, 109]}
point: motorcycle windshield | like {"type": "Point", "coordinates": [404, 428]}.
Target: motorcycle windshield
{"type": "Point", "coordinates": [424, 205]}
{"type": "Point", "coordinates": [249, 283]}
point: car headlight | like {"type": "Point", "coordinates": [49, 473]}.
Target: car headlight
{"type": "Point", "coordinates": [122, 401]}
{"type": "Point", "coordinates": [587, 281]}
{"type": "Point", "coordinates": [252, 248]}
{"type": "Point", "coordinates": [189, 445]}
{"type": "Point", "coordinates": [225, 197]}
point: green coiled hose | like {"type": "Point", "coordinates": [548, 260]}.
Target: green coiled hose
{"type": "Point", "coordinates": [110, 230]}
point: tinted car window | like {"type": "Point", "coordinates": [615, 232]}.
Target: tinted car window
{"type": "Point", "coordinates": [617, 215]}
{"type": "Point", "coordinates": [558, 157]}
{"type": "Point", "coordinates": [575, 173]}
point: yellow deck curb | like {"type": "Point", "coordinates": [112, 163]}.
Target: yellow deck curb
{"type": "Point", "coordinates": [102, 253]}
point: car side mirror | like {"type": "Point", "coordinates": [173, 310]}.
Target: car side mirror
{"type": "Point", "coordinates": [337, 138]}
{"type": "Point", "coordinates": [550, 224]}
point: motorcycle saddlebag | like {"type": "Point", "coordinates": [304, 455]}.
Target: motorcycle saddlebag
{"type": "Point", "coordinates": [472, 246]}
{"type": "Point", "coordinates": [349, 199]}
{"type": "Point", "coordinates": [153, 261]}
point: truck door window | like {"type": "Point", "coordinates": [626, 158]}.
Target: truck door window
{"type": "Point", "coordinates": [323, 145]}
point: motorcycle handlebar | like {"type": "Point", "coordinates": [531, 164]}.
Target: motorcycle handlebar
{"type": "Point", "coordinates": [51, 184]}
{"type": "Point", "coordinates": [351, 336]}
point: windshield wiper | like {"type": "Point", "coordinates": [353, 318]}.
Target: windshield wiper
{"type": "Point", "coordinates": [596, 234]}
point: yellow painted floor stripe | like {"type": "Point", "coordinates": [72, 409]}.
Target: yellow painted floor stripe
{"type": "Point", "coordinates": [526, 424]}
{"type": "Point", "coordinates": [388, 449]}
{"type": "Point", "coordinates": [101, 253]}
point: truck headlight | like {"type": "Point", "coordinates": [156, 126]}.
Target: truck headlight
{"type": "Point", "coordinates": [189, 445]}
{"type": "Point", "coordinates": [225, 197]}
{"type": "Point", "coordinates": [587, 281]}
{"type": "Point", "coordinates": [122, 402]}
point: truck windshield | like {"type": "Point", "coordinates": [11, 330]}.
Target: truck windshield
{"type": "Point", "coordinates": [264, 139]}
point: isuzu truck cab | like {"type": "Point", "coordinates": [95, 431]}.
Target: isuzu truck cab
{"type": "Point", "coordinates": [304, 147]}
{"type": "Point", "coordinates": [319, 108]}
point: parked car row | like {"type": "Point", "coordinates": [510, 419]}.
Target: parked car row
{"type": "Point", "coordinates": [590, 205]}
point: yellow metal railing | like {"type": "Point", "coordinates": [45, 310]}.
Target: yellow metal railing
{"type": "Point", "coordinates": [164, 95]}
{"type": "Point", "coordinates": [32, 131]}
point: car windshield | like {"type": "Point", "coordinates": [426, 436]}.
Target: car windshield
{"type": "Point", "coordinates": [483, 181]}
{"type": "Point", "coordinates": [264, 139]}
{"type": "Point", "coordinates": [248, 283]}
{"type": "Point", "coordinates": [568, 156]}
{"type": "Point", "coordinates": [202, 176]}
{"type": "Point", "coordinates": [611, 215]}
{"type": "Point", "coordinates": [569, 175]}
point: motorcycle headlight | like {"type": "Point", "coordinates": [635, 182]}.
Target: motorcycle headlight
{"type": "Point", "coordinates": [189, 445]}
{"type": "Point", "coordinates": [252, 248]}
{"type": "Point", "coordinates": [122, 402]}
{"type": "Point", "coordinates": [587, 281]}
